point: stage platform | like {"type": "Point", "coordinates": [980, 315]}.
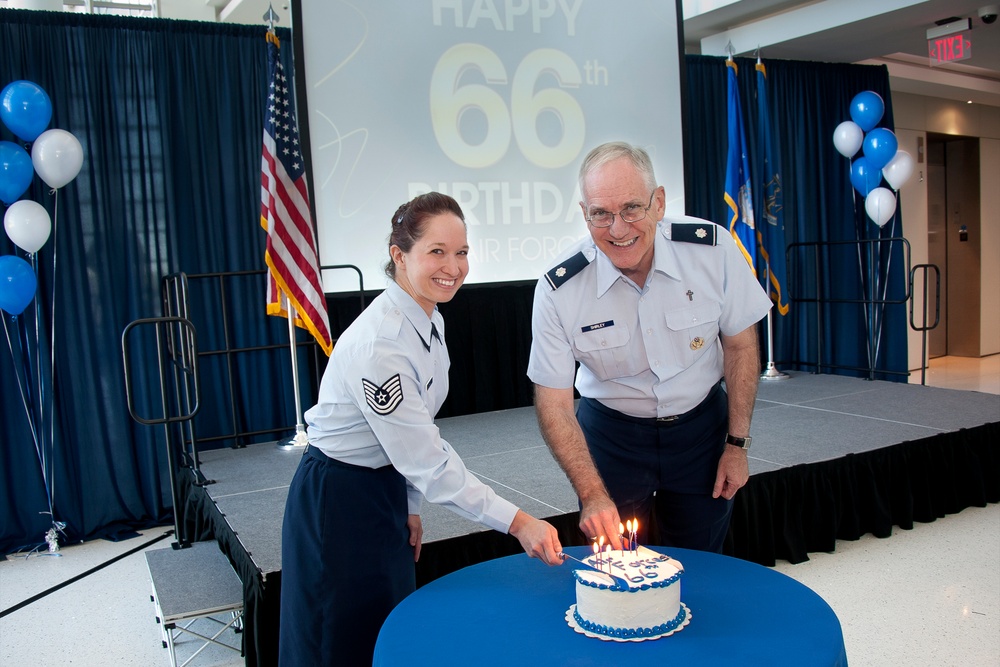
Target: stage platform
{"type": "Point", "coordinates": [832, 458]}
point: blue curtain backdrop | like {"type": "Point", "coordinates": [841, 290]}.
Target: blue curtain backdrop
{"type": "Point", "coordinates": [808, 100]}
{"type": "Point", "coordinates": [169, 114]}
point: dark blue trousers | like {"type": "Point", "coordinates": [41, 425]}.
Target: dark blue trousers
{"type": "Point", "coordinates": [346, 561]}
{"type": "Point", "coordinates": [662, 473]}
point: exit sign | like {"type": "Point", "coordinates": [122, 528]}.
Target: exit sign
{"type": "Point", "coordinates": [949, 49]}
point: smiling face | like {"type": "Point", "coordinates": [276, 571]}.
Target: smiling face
{"type": "Point", "coordinates": [435, 267]}
{"type": "Point", "coordinates": [613, 187]}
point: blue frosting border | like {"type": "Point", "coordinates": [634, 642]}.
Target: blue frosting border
{"type": "Point", "coordinates": [631, 633]}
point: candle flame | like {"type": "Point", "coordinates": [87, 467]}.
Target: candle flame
{"type": "Point", "coordinates": [595, 547]}
{"type": "Point", "coordinates": [635, 525]}
{"type": "Point", "coordinates": [621, 529]}
{"type": "Point", "coordinates": [600, 541]}
{"type": "Point", "coordinates": [628, 524]}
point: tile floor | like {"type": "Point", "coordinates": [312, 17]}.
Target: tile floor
{"type": "Point", "coordinates": [927, 596]}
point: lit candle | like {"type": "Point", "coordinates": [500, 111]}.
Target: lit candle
{"type": "Point", "coordinates": [635, 534]}
{"type": "Point", "coordinates": [607, 550]}
{"type": "Point", "coordinates": [595, 551]}
{"type": "Point", "coordinates": [600, 544]}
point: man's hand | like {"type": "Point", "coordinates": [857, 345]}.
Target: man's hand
{"type": "Point", "coordinates": [733, 473]}
{"type": "Point", "coordinates": [600, 517]}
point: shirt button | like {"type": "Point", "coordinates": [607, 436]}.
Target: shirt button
{"type": "Point", "coordinates": [694, 319]}
{"type": "Point", "coordinates": [649, 331]}
{"type": "Point", "coordinates": [604, 343]}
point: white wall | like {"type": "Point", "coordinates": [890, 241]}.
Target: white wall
{"type": "Point", "coordinates": [187, 10]}
{"type": "Point", "coordinates": [914, 117]}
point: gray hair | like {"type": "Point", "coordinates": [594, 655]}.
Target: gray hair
{"type": "Point", "coordinates": [611, 151]}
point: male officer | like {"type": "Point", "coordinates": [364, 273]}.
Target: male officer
{"type": "Point", "coordinates": [657, 313]}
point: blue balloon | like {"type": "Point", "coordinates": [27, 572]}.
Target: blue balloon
{"type": "Point", "coordinates": [17, 284]}
{"type": "Point", "coordinates": [867, 109]}
{"type": "Point", "coordinates": [25, 109]}
{"type": "Point", "coordinates": [864, 177]}
{"type": "Point", "coordinates": [16, 172]}
{"type": "Point", "coordinates": [880, 147]}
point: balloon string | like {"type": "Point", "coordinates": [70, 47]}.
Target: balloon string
{"type": "Point", "coordinates": [52, 353]}
{"type": "Point", "coordinates": [36, 368]}
{"type": "Point", "coordinates": [885, 285]}
{"type": "Point", "coordinates": [861, 269]}
{"type": "Point", "coordinates": [24, 401]}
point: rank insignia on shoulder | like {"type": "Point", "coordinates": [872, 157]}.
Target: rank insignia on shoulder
{"type": "Point", "coordinates": [385, 398]}
{"type": "Point", "coordinates": [694, 232]}
{"type": "Point", "coordinates": [572, 266]}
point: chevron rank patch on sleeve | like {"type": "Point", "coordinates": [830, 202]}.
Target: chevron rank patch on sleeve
{"type": "Point", "coordinates": [385, 398]}
{"type": "Point", "coordinates": [572, 266]}
{"type": "Point", "coordinates": [694, 232]}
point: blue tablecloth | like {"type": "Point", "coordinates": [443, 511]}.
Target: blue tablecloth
{"type": "Point", "coordinates": [512, 611]}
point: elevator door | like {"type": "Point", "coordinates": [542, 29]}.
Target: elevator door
{"type": "Point", "coordinates": [953, 242]}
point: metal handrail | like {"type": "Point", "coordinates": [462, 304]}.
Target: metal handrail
{"type": "Point", "coordinates": [870, 300]}
{"type": "Point", "coordinates": [923, 329]}
{"type": "Point", "coordinates": [186, 369]}
{"type": "Point", "coordinates": [177, 291]}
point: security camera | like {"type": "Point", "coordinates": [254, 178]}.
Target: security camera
{"type": "Point", "coordinates": [989, 13]}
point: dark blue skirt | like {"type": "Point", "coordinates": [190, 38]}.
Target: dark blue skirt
{"type": "Point", "coordinates": [346, 561]}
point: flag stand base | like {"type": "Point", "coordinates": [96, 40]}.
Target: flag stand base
{"type": "Point", "coordinates": [773, 373]}
{"type": "Point", "coordinates": [299, 441]}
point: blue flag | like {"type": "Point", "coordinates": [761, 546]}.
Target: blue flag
{"type": "Point", "coordinates": [738, 196]}
{"type": "Point", "coordinates": [771, 230]}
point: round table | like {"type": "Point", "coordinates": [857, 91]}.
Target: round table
{"type": "Point", "coordinates": [512, 611]}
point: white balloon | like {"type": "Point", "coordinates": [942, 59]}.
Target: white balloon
{"type": "Point", "coordinates": [57, 156]}
{"type": "Point", "coordinates": [880, 204]}
{"type": "Point", "coordinates": [898, 170]}
{"type": "Point", "coordinates": [27, 224]}
{"type": "Point", "coordinates": [847, 138]}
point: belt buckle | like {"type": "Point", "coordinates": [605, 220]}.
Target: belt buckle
{"type": "Point", "coordinates": [664, 420]}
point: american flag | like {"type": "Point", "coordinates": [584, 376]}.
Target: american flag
{"type": "Point", "coordinates": [292, 260]}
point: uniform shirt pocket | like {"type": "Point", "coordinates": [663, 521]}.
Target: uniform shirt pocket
{"type": "Point", "coordinates": [693, 331]}
{"type": "Point", "coordinates": [609, 353]}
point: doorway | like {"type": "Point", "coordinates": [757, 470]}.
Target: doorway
{"type": "Point", "coordinates": [954, 241]}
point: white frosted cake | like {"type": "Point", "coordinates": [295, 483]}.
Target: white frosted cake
{"type": "Point", "coordinates": [650, 607]}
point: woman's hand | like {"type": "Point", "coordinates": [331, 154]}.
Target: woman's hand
{"type": "Point", "coordinates": [416, 534]}
{"type": "Point", "coordinates": [538, 538]}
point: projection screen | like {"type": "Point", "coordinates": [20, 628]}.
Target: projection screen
{"type": "Point", "coordinates": [494, 102]}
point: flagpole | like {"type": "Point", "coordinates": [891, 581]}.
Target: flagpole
{"type": "Point", "coordinates": [771, 372]}
{"type": "Point", "coordinates": [300, 439]}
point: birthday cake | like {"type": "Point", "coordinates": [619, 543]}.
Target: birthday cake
{"type": "Point", "coordinates": [629, 596]}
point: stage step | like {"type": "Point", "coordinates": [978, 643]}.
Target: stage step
{"type": "Point", "coordinates": [194, 583]}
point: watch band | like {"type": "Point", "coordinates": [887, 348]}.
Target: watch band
{"type": "Point", "coordinates": [742, 443]}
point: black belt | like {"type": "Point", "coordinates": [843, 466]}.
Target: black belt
{"type": "Point", "coordinates": [656, 421]}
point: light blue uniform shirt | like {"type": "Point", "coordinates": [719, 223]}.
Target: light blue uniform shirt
{"type": "Point", "coordinates": [385, 381]}
{"type": "Point", "coordinates": [649, 351]}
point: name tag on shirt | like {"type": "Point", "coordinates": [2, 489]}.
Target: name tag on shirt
{"type": "Point", "coordinates": [598, 325]}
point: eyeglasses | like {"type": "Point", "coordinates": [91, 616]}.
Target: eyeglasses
{"type": "Point", "coordinates": [630, 214]}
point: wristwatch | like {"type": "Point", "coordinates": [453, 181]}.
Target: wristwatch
{"type": "Point", "coordinates": [742, 443]}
